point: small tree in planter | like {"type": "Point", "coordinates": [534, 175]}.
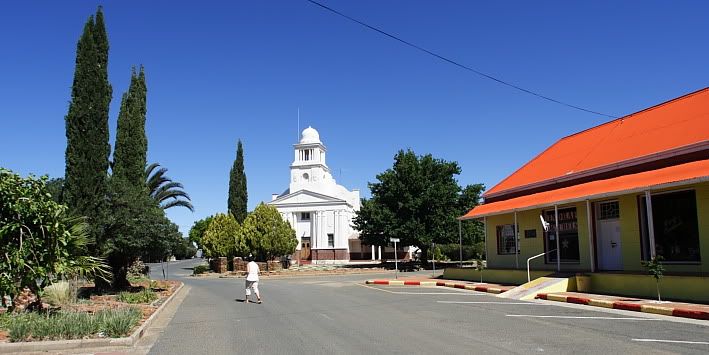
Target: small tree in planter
{"type": "Point", "coordinates": [480, 267]}
{"type": "Point", "coordinates": [656, 269]}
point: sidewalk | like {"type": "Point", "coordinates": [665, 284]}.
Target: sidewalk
{"type": "Point", "coordinates": [423, 281]}
{"type": "Point", "coordinates": [677, 309]}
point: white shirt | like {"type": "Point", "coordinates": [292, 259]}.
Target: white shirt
{"type": "Point", "coordinates": [253, 270]}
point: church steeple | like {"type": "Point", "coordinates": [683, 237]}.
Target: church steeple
{"type": "Point", "coordinates": [309, 165]}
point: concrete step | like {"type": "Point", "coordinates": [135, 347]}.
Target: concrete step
{"type": "Point", "coordinates": [529, 290]}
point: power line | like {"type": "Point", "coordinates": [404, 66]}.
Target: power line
{"type": "Point", "coordinates": [451, 61]}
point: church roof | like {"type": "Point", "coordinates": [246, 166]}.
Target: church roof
{"type": "Point", "coordinates": [310, 135]}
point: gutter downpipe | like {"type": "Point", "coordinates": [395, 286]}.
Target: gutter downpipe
{"type": "Point", "coordinates": [650, 224]}
{"type": "Point", "coordinates": [590, 235]}
{"type": "Point", "coordinates": [516, 244]}
{"type": "Point", "coordinates": [556, 229]}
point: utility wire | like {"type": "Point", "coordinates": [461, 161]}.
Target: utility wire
{"type": "Point", "coordinates": [487, 76]}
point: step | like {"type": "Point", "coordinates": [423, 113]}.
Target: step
{"type": "Point", "coordinates": [529, 290]}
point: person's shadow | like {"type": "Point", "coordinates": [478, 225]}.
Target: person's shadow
{"type": "Point", "coordinates": [240, 300]}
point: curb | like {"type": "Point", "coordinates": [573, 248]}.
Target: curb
{"type": "Point", "coordinates": [487, 289]}
{"type": "Point", "coordinates": [645, 308]}
{"type": "Point", "coordinates": [75, 344]}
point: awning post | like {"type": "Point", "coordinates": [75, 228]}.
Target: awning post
{"type": "Point", "coordinates": [516, 244]}
{"type": "Point", "coordinates": [556, 229]}
{"type": "Point", "coordinates": [590, 236]}
{"type": "Point", "coordinates": [485, 235]}
{"type": "Point", "coordinates": [650, 223]}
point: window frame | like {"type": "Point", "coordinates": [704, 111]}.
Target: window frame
{"type": "Point", "coordinates": [303, 216]}
{"type": "Point", "coordinates": [501, 243]}
{"type": "Point", "coordinates": [330, 240]}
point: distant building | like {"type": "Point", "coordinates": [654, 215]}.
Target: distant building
{"type": "Point", "coordinates": [319, 209]}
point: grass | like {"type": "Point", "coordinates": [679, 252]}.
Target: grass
{"type": "Point", "coordinates": [113, 323]}
{"type": "Point", "coordinates": [59, 294]}
{"type": "Point", "coordinates": [4, 320]}
{"type": "Point", "coordinates": [143, 296]}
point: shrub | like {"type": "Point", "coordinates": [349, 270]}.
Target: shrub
{"type": "Point", "coordinates": [137, 269]}
{"type": "Point", "coordinates": [73, 325]}
{"type": "Point", "coordinates": [59, 294]}
{"type": "Point", "coordinates": [143, 296]}
{"type": "Point", "coordinates": [200, 269]}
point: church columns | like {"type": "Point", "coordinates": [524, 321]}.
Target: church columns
{"type": "Point", "coordinates": [373, 255]}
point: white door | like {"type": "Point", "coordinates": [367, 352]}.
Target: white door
{"type": "Point", "coordinates": [608, 236]}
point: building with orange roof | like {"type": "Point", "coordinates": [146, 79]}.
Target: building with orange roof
{"type": "Point", "coordinates": [608, 198]}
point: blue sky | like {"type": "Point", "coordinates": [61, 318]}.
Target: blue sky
{"type": "Point", "coordinates": [219, 71]}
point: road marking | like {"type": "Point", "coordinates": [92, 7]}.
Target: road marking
{"type": "Point", "coordinates": [672, 341]}
{"type": "Point", "coordinates": [459, 293]}
{"type": "Point", "coordinates": [579, 317]}
{"type": "Point", "coordinates": [492, 302]}
{"type": "Point", "coordinates": [326, 316]}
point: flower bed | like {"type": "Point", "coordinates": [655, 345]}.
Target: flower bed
{"type": "Point", "coordinates": [94, 316]}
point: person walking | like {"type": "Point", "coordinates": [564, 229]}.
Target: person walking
{"type": "Point", "coordinates": [252, 273]}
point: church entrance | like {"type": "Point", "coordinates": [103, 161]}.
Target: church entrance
{"type": "Point", "coordinates": [305, 249]}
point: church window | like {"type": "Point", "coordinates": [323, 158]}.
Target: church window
{"type": "Point", "coordinates": [305, 216]}
{"type": "Point", "coordinates": [307, 154]}
{"type": "Point", "coordinates": [330, 240]}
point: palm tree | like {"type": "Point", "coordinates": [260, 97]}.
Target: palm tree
{"type": "Point", "coordinates": [166, 192]}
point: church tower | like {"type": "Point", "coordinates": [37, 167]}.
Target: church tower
{"type": "Point", "coordinates": [309, 168]}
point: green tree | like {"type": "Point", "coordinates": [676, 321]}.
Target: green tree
{"type": "Point", "coordinates": [87, 149]}
{"type": "Point", "coordinates": [238, 195]}
{"type": "Point", "coordinates": [656, 270]}
{"type": "Point", "coordinates": [166, 192]}
{"type": "Point", "coordinates": [223, 237]}
{"type": "Point", "coordinates": [56, 189]}
{"type": "Point", "coordinates": [198, 229]}
{"type": "Point", "coordinates": [473, 233]}
{"type": "Point", "coordinates": [137, 228]}
{"type": "Point", "coordinates": [39, 241]}
{"type": "Point", "coordinates": [267, 235]}
{"type": "Point", "coordinates": [417, 200]}
{"type": "Point", "coordinates": [131, 148]}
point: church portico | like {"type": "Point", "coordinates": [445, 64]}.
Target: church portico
{"type": "Point", "coordinates": [319, 210]}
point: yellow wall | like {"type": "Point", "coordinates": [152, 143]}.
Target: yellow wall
{"type": "Point", "coordinates": [679, 288]}
{"type": "Point", "coordinates": [506, 277]}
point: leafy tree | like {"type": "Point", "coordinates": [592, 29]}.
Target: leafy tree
{"type": "Point", "coordinates": [198, 229]}
{"type": "Point", "coordinates": [238, 195]}
{"type": "Point", "coordinates": [87, 149]}
{"type": "Point", "coordinates": [166, 192]}
{"type": "Point", "coordinates": [417, 200]}
{"type": "Point", "coordinates": [473, 233]}
{"type": "Point", "coordinates": [131, 149]}
{"type": "Point", "coordinates": [137, 227]}
{"type": "Point", "coordinates": [183, 249]}
{"type": "Point", "coordinates": [267, 235]}
{"type": "Point", "coordinates": [39, 241]}
{"type": "Point", "coordinates": [223, 237]}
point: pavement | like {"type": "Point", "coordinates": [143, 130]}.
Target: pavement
{"type": "Point", "coordinates": [418, 280]}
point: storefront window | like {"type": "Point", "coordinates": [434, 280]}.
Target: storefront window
{"type": "Point", "coordinates": [505, 239]}
{"type": "Point", "coordinates": [568, 236]}
{"type": "Point", "coordinates": [674, 218]}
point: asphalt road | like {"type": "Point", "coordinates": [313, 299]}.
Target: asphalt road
{"type": "Point", "coordinates": [340, 315]}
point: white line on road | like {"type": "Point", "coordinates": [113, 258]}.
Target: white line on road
{"type": "Point", "coordinates": [459, 293]}
{"type": "Point", "coordinates": [579, 317]}
{"type": "Point", "coordinates": [672, 341]}
{"type": "Point", "coordinates": [492, 302]}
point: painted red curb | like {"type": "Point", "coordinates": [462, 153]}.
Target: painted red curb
{"type": "Point", "coordinates": [686, 313]}
{"type": "Point", "coordinates": [459, 286]}
{"type": "Point", "coordinates": [439, 283]}
{"type": "Point", "coordinates": [412, 283]}
{"type": "Point", "coordinates": [541, 296]}
{"type": "Point", "coordinates": [627, 306]}
{"type": "Point", "coordinates": [381, 282]}
{"type": "Point", "coordinates": [481, 288]}
{"type": "Point", "coordinates": [577, 300]}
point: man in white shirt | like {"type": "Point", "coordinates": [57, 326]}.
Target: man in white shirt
{"type": "Point", "coordinates": [252, 272]}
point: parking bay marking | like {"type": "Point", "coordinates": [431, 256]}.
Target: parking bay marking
{"type": "Point", "coordinates": [672, 341]}
{"type": "Point", "coordinates": [578, 317]}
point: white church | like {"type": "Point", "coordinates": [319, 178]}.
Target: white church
{"type": "Point", "coordinates": [319, 209]}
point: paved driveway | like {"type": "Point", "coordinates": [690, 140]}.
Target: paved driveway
{"type": "Point", "coordinates": [340, 315]}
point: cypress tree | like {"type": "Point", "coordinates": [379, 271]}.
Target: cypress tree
{"type": "Point", "coordinates": [87, 149]}
{"type": "Point", "coordinates": [130, 153]}
{"type": "Point", "coordinates": [237, 187]}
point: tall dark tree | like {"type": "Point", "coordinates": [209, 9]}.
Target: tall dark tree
{"type": "Point", "coordinates": [417, 200]}
{"type": "Point", "coordinates": [87, 151]}
{"type": "Point", "coordinates": [130, 153]}
{"type": "Point", "coordinates": [238, 196]}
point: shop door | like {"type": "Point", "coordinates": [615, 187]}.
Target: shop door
{"type": "Point", "coordinates": [305, 249]}
{"type": "Point", "coordinates": [608, 236]}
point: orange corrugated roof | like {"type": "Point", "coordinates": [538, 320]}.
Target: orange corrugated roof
{"type": "Point", "coordinates": [683, 173]}
{"type": "Point", "coordinates": [681, 122]}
